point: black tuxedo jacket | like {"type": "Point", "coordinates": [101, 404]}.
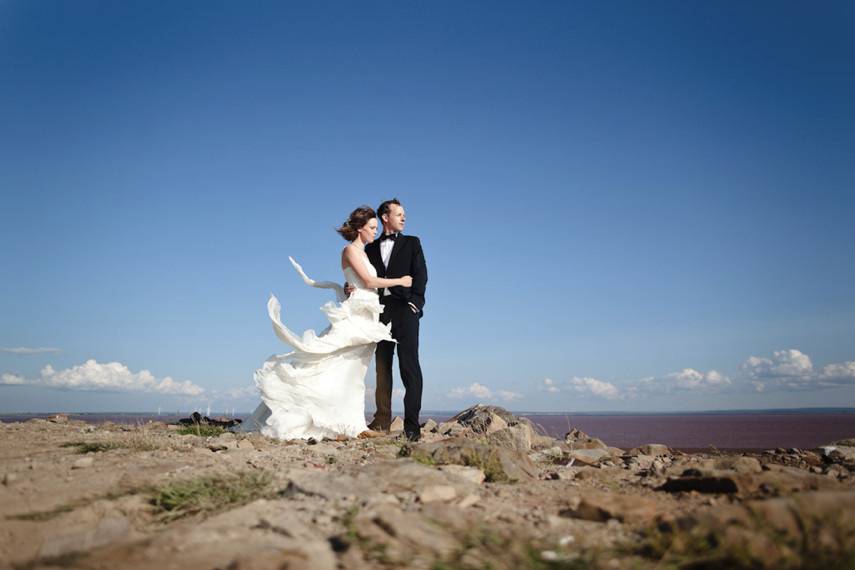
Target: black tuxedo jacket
{"type": "Point", "coordinates": [407, 258]}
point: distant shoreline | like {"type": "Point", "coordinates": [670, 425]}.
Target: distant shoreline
{"type": "Point", "coordinates": [803, 428]}
{"type": "Point", "coordinates": [450, 413]}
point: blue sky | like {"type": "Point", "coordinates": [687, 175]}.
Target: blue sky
{"type": "Point", "coordinates": [623, 205]}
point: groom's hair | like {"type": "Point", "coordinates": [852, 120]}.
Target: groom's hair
{"type": "Point", "coordinates": [386, 206]}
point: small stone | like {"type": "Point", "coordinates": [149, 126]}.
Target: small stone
{"type": "Point", "coordinates": [429, 425]}
{"type": "Point", "coordinates": [397, 424]}
{"type": "Point", "coordinates": [9, 479]}
{"type": "Point", "coordinates": [83, 463]}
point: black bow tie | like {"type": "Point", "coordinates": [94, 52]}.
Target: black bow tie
{"type": "Point", "coordinates": [392, 237]}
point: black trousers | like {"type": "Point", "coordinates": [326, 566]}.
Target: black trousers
{"type": "Point", "coordinates": [405, 329]}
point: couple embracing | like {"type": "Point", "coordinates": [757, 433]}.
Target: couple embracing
{"type": "Point", "coordinates": [318, 389]}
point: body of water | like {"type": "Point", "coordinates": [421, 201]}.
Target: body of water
{"type": "Point", "coordinates": [692, 431]}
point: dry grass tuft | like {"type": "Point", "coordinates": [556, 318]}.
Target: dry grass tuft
{"type": "Point", "coordinates": [209, 494]}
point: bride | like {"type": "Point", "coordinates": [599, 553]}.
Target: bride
{"type": "Point", "coordinates": [318, 389]}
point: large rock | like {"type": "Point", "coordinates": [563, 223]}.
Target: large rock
{"type": "Point", "coordinates": [574, 435]}
{"type": "Point", "coordinates": [811, 530]}
{"type": "Point", "coordinates": [588, 443]}
{"type": "Point", "coordinates": [651, 449]}
{"type": "Point", "coordinates": [388, 535]}
{"type": "Point", "coordinates": [589, 456]}
{"type": "Point", "coordinates": [260, 535]}
{"type": "Point", "coordinates": [485, 419]}
{"type": "Point", "coordinates": [601, 507]}
{"type": "Point", "coordinates": [499, 464]}
{"type": "Point", "coordinates": [842, 452]}
{"type": "Point", "coordinates": [516, 437]}
{"type": "Point", "coordinates": [87, 528]}
{"type": "Point", "coordinates": [776, 480]}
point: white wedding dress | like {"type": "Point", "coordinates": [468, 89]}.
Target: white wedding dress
{"type": "Point", "coordinates": [318, 389]}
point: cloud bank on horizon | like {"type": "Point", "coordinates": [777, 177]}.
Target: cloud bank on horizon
{"type": "Point", "coordinates": [104, 377]}
{"type": "Point", "coordinates": [28, 350]}
{"type": "Point", "coordinates": [783, 370]}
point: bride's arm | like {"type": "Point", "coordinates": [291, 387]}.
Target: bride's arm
{"type": "Point", "coordinates": [353, 258]}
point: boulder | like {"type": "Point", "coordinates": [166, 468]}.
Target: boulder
{"type": "Point", "coordinates": [539, 441]}
{"type": "Point", "coordinates": [516, 437]}
{"type": "Point", "coordinates": [437, 493]}
{"type": "Point", "coordinates": [450, 428]}
{"type": "Point", "coordinates": [588, 443]}
{"type": "Point", "coordinates": [397, 424]}
{"type": "Point", "coordinates": [397, 536]}
{"type": "Point", "coordinates": [575, 434]}
{"type": "Point", "coordinates": [429, 425]}
{"type": "Point", "coordinates": [499, 464]}
{"type": "Point", "coordinates": [811, 530]}
{"type": "Point", "coordinates": [700, 484]}
{"type": "Point", "coordinates": [472, 474]}
{"type": "Point", "coordinates": [589, 456]}
{"type": "Point", "coordinates": [480, 418]}
{"type": "Point", "coordinates": [651, 449]}
{"type": "Point", "coordinates": [88, 531]}
{"type": "Point", "coordinates": [740, 464]}
{"type": "Point", "coordinates": [602, 507]}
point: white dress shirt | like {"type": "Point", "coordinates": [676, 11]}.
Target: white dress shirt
{"type": "Point", "coordinates": [385, 253]}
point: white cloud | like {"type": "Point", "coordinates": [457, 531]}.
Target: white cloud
{"type": "Point", "coordinates": [549, 385]}
{"type": "Point", "coordinates": [508, 396]}
{"type": "Point", "coordinates": [27, 350]}
{"type": "Point", "coordinates": [242, 393]}
{"type": "Point", "coordinates": [843, 372]}
{"type": "Point", "coordinates": [481, 392]}
{"type": "Point", "coordinates": [12, 379]}
{"type": "Point", "coordinates": [691, 379]}
{"type": "Point", "coordinates": [595, 387]}
{"type": "Point", "coordinates": [783, 364]}
{"type": "Point", "coordinates": [107, 377]}
{"type": "Point", "coordinates": [791, 369]}
{"type": "Point", "coordinates": [474, 389]}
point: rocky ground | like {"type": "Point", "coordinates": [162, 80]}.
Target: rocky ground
{"type": "Point", "coordinates": [483, 490]}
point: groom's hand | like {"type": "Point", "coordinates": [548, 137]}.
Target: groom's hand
{"type": "Point", "coordinates": [348, 289]}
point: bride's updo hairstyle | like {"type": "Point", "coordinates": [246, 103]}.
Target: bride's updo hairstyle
{"type": "Point", "coordinates": [357, 219]}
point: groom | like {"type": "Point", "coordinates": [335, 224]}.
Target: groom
{"type": "Point", "coordinates": [395, 255]}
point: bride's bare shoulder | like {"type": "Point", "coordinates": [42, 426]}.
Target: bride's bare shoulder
{"type": "Point", "coordinates": [346, 252]}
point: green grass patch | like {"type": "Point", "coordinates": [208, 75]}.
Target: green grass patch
{"type": "Point", "coordinates": [209, 494]}
{"type": "Point", "coordinates": [201, 430]}
{"type": "Point", "coordinates": [93, 446]}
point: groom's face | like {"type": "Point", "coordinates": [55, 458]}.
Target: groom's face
{"type": "Point", "coordinates": [395, 219]}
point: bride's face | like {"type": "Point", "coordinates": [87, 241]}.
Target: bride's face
{"type": "Point", "coordinates": [368, 231]}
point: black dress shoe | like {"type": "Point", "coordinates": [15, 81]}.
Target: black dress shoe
{"type": "Point", "coordinates": [412, 435]}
